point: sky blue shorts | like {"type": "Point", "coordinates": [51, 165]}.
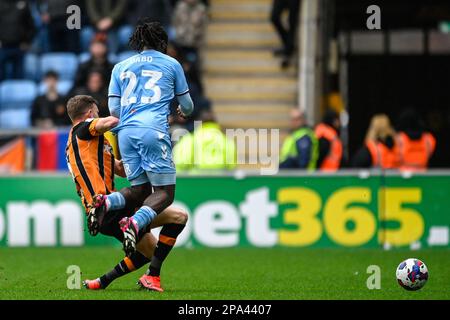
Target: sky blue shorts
{"type": "Point", "coordinates": [147, 156]}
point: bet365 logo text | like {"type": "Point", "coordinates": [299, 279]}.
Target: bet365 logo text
{"type": "Point", "coordinates": [301, 217]}
{"type": "Point", "coordinates": [41, 223]}
{"type": "Point", "coordinates": [290, 216]}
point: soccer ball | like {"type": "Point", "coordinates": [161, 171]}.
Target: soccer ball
{"type": "Point", "coordinates": [412, 274]}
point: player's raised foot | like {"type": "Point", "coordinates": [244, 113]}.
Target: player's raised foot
{"type": "Point", "coordinates": [150, 283]}
{"type": "Point", "coordinates": [130, 231]}
{"type": "Point", "coordinates": [96, 214]}
{"type": "Point", "coordinates": [92, 284]}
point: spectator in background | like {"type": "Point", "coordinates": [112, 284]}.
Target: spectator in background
{"type": "Point", "coordinates": [379, 149]}
{"type": "Point", "coordinates": [105, 16]}
{"type": "Point", "coordinates": [286, 33]}
{"type": "Point", "coordinates": [16, 33]}
{"type": "Point", "coordinates": [207, 148]}
{"type": "Point", "coordinates": [189, 20]}
{"type": "Point", "coordinates": [300, 149]}
{"type": "Point", "coordinates": [98, 62]}
{"type": "Point", "coordinates": [330, 145]}
{"type": "Point", "coordinates": [48, 110]}
{"type": "Point", "coordinates": [155, 10]}
{"type": "Point", "coordinates": [415, 145]}
{"type": "Point", "coordinates": [40, 42]}
{"type": "Point", "coordinates": [95, 86]}
{"type": "Point", "coordinates": [191, 69]}
{"type": "Point", "coordinates": [55, 16]}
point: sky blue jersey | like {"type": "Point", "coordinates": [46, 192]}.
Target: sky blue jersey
{"type": "Point", "coordinates": [146, 83]}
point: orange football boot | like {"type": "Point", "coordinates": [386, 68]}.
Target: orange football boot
{"type": "Point", "coordinates": [92, 284]}
{"type": "Point", "coordinates": [150, 283]}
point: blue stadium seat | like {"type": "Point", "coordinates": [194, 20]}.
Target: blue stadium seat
{"type": "Point", "coordinates": [63, 87]}
{"type": "Point", "coordinates": [83, 57]}
{"type": "Point", "coordinates": [15, 119]}
{"type": "Point", "coordinates": [31, 66]}
{"type": "Point", "coordinates": [65, 64]}
{"type": "Point", "coordinates": [123, 34]}
{"type": "Point", "coordinates": [17, 94]}
{"type": "Point", "coordinates": [86, 35]}
{"type": "Point", "coordinates": [125, 55]}
{"type": "Point", "coordinates": [112, 57]}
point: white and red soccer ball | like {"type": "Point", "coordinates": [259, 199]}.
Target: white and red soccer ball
{"type": "Point", "coordinates": [412, 274]}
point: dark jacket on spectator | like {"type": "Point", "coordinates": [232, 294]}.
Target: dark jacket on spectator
{"type": "Point", "coordinates": [16, 23]}
{"type": "Point", "coordinates": [99, 9]}
{"type": "Point", "coordinates": [58, 8]}
{"type": "Point", "coordinates": [155, 10]}
{"type": "Point", "coordinates": [101, 97]}
{"type": "Point", "coordinates": [87, 67]}
{"type": "Point", "coordinates": [45, 109]}
{"type": "Point", "coordinates": [363, 158]}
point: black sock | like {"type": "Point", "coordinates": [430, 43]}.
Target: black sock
{"type": "Point", "coordinates": [167, 238]}
{"type": "Point", "coordinates": [127, 265]}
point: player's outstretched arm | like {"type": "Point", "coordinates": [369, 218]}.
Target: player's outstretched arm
{"type": "Point", "coordinates": [106, 124]}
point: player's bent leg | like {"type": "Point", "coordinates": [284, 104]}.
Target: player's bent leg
{"type": "Point", "coordinates": [140, 188]}
{"type": "Point", "coordinates": [127, 265]}
{"type": "Point", "coordinates": [100, 205]}
{"type": "Point", "coordinates": [171, 214]}
{"type": "Point", "coordinates": [160, 199]}
{"type": "Point", "coordinates": [136, 194]}
{"type": "Point", "coordinates": [146, 247]}
{"type": "Point", "coordinates": [173, 221]}
{"type": "Point", "coordinates": [130, 231]}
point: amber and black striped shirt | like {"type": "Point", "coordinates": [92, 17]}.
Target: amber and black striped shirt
{"type": "Point", "coordinates": [90, 160]}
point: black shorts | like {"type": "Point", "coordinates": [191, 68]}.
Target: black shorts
{"type": "Point", "coordinates": [110, 225]}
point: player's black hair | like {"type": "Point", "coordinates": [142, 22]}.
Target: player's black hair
{"type": "Point", "coordinates": [149, 34]}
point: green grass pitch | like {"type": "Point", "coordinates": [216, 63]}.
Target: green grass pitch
{"type": "Point", "coordinates": [241, 273]}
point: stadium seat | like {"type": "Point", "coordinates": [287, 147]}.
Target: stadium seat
{"type": "Point", "coordinates": [31, 66]}
{"type": "Point", "coordinates": [63, 87]}
{"type": "Point", "coordinates": [17, 94]}
{"type": "Point", "coordinates": [123, 34]}
{"type": "Point", "coordinates": [125, 55]}
{"type": "Point", "coordinates": [86, 35]}
{"type": "Point", "coordinates": [65, 64]}
{"type": "Point", "coordinates": [15, 119]}
{"type": "Point", "coordinates": [113, 58]}
{"type": "Point", "coordinates": [83, 57]}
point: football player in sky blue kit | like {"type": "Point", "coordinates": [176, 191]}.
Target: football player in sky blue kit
{"type": "Point", "coordinates": [140, 92]}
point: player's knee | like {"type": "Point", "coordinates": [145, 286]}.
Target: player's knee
{"type": "Point", "coordinates": [181, 217]}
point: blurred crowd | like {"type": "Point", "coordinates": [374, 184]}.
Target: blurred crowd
{"type": "Point", "coordinates": [43, 63]}
{"type": "Point", "coordinates": [37, 46]}
{"type": "Point", "coordinates": [407, 146]}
